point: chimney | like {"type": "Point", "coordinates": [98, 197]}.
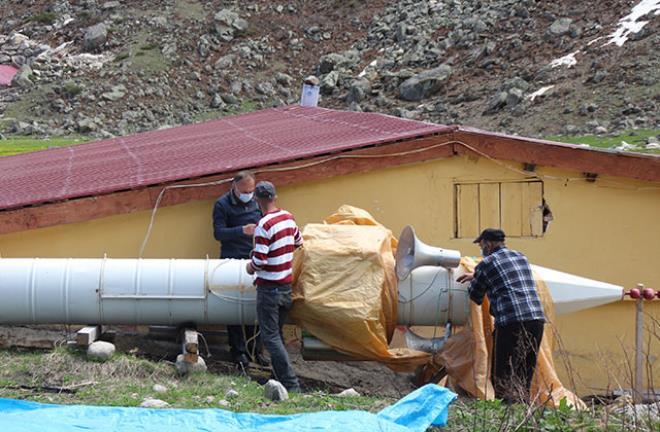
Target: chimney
{"type": "Point", "coordinates": [310, 92]}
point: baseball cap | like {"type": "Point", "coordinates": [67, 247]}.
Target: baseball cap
{"type": "Point", "coordinates": [491, 234]}
{"type": "Point", "coordinates": [265, 189]}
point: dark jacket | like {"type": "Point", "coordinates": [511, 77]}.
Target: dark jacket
{"type": "Point", "coordinates": [229, 216]}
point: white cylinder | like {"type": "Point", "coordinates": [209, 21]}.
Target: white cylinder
{"type": "Point", "coordinates": [125, 291]}
{"type": "Point", "coordinates": [430, 296]}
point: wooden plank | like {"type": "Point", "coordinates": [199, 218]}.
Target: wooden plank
{"type": "Point", "coordinates": [535, 200]}
{"type": "Point", "coordinates": [87, 335]}
{"type": "Point", "coordinates": [467, 210]}
{"type": "Point", "coordinates": [350, 162]}
{"type": "Point", "coordinates": [489, 206]}
{"type": "Point", "coordinates": [511, 203]}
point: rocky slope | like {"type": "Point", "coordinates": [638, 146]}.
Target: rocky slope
{"type": "Point", "coordinates": [529, 67]}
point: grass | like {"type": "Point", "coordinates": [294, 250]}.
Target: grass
{"type": "Point", "coordinates": [635, 137]}
{"type": "Point", "coordinates": [189, 9]}
{"type": "Point", "coordinates": [127, 380]}
{"type": "Point", "coordinates": [12, 146]}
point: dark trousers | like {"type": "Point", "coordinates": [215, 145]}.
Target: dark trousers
{"type": "Point", "coordinates": [515, 350]}
{"type": "Point", "coordinates": [273, 303]}
{"type": "Point", "coordinates": [237, 341]}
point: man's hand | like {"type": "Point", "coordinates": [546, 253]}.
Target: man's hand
{"type": "Point", "coordinates": [249, 269]}
{"type": "Point", "coordinates": [467, 277]}
{"type": "Point", "coordinates": [249, 229]}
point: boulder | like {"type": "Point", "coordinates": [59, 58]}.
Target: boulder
{"type": "Point", "coordinates": [424, 84]}
{"type": "Point", "coordinates": [159, 388]}
{"type": "Point", "coordinates": [274, 390]}
{"type": "Point", "coordinates": [95, 37]}
{"type": "Point", "coordinates": [185, 368]}
{"type": "Point", "coordinates": [561, 26]}
{"type": "Point", "coordinates": [100, 351]}
{"type": "Point", "coordinates": [154, 403]}
{"type": "Point", "coordinates": [348, 393]}
{"type": "Point", "coordinates": [22, 77]}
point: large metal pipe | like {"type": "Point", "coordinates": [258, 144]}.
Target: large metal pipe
{"type": "Point", "coordinates": [212, 291]}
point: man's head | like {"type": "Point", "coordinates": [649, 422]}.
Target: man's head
{"type": "Point", "coordinates": [243, 186]}
{"type": "Point", "coordinates": [265, 194]}
{"type": "Point", "coordinates": [490, 239]}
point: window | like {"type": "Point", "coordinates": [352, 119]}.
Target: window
{"type": "Point", "coordinates": [517, 207]}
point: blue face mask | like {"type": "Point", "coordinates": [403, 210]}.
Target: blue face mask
{"type": "Point", "coordinates": [245, 197]}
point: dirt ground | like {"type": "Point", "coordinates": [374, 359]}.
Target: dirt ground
{"type": "Point", "coordinates": [368, 378]}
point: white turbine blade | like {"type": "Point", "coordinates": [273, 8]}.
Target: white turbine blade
{"type": "Point", "coordinates": [572, 293]}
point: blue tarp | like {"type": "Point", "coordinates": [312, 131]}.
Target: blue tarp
{"type": "Point", "coordinates": [426, 406]}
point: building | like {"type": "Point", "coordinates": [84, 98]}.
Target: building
{"type": "Point", "coordinates": [449, 182]}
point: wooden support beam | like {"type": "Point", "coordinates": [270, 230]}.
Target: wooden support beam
{"type": "Point", "coordinates": [87, 335]}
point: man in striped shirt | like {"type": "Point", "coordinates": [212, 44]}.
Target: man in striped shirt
{"type": "Point", "coordinates": [276, 237]}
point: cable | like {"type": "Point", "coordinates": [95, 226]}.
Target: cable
{"type": "Point", "coordinates": [361, 156]}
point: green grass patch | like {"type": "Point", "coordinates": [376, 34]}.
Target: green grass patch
{"type": "Point", "coordinates": [28, 106]}
{"type": "Point", "coordinates": [189, 9]}
{"type": "Point", "coordinates": [12, 145]}
{"type": "Point", "coordinates": [44, 17]}
{"type": "Point", "coordinates": [146, 56]}
{"type": "Point", "coordinates": [635, 137]}
{"type": "Point", "coordinates": [127, 380]}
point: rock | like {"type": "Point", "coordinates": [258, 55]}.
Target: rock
{"type": "Point", "coordinates": [159, 388]}
{"type": "Point", "coordinates": [229, 98]}
{"type": "Point", "coordinates": [358, 91]}
{"type": "Point", "coordinates": [217, 101]}
{"type": "Point", "coordinates": [600, 130]}
{"type": "Point", "coordinates": [330, 62]}
{"type": "Point", "coordinates": [154, 403]}
{"type": "Point", "coordinates": [348, 393]}
{"type": "Point", "coordinates": [329, 82]}
{"type": "Point", "coordinates": [231, 394]}
{"type": "Point", "coordinates": [224, 403]}
{"type": "Point", "coordinates": [643, 413]}
{"type": "Point", "coordinates": [561, 26]}
{"type": "Point", "coordinates": [110, 5]}
{"type": "Point", "coordinates": [100, 351]}
{"type": "Point", "coordinates": [95, 37]}
{"type": "Point", "coordinates": [228, 23]}
{"type": "Point", "coordinates": [274, 390]}
{"type": "Point", "coordinates": [185, 368]}
{"type": "Point", "coordinates": [424, 84]}
{"type": "Point", "coordinates": [514, 96]}
{"type": "Point", "coordinates": [116, 93]}
{"type": "Point", "coordinates": [225, 62]}
{"type": "Point", "coordinates": [283, 79]}
{"type": "Point", "coordinates": [264, 88]}
{"type": "Point", "coordinates": [209, 399]}
{"type": "Point", "coordinates": [22, 77]}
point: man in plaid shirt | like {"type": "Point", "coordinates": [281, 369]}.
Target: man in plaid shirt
{"type": "Point", "coordinates": [505, 276]}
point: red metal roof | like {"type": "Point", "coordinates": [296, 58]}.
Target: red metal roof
{"type": "Point", "coordinates": [7, 73]}
{"type": "Point", "coordinates": [223, 145]}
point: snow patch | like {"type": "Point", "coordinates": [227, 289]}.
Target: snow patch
{"type": "Point", "coordinates": [539, 92]}
{"type": "Point", "coordinates": [568, 60]}
{"type": "Point", "coordinates": [629, 23]}
{"type": "Point", "coordinates": [364, 72]}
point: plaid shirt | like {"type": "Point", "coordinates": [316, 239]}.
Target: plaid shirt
{"type": "Point", "coordinates": [506, 276]}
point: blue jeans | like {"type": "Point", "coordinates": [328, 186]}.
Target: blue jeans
{"type": "Point", "coordinates": [273, 303]}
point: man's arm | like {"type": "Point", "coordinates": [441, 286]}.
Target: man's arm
{"type": "Point", "coordinates": [297, 238]}
{"type": "Point", "coordinates": [260, 252]}
{"type": "Point", "coordinates": [479, 284]}
{"type": "Point", "coordinates": [220, 229]}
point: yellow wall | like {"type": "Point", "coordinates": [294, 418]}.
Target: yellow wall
{"type": "Point", "coordinates": [608, 230]}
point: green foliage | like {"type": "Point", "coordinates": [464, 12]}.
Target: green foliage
{"type": "Point", "coordinates": [71, 89]}
{"type": "Point", "coordinates": [44, 17]}
{"type": "Point", "coordinates": [635, 137]}
{"type": "Point", "coordinates": [14, 146]}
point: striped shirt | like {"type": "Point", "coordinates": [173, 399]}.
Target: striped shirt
{"type": "Point", "coordinates": [276, 237]}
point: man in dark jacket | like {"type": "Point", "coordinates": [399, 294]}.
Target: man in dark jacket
{"type": "Point", "coordinates": [235, 216]}
{"type": "Point", "coordinates": [505, 276]}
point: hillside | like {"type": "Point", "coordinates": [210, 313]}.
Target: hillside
{"type": "Point", "coordinates": [103, 68]}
